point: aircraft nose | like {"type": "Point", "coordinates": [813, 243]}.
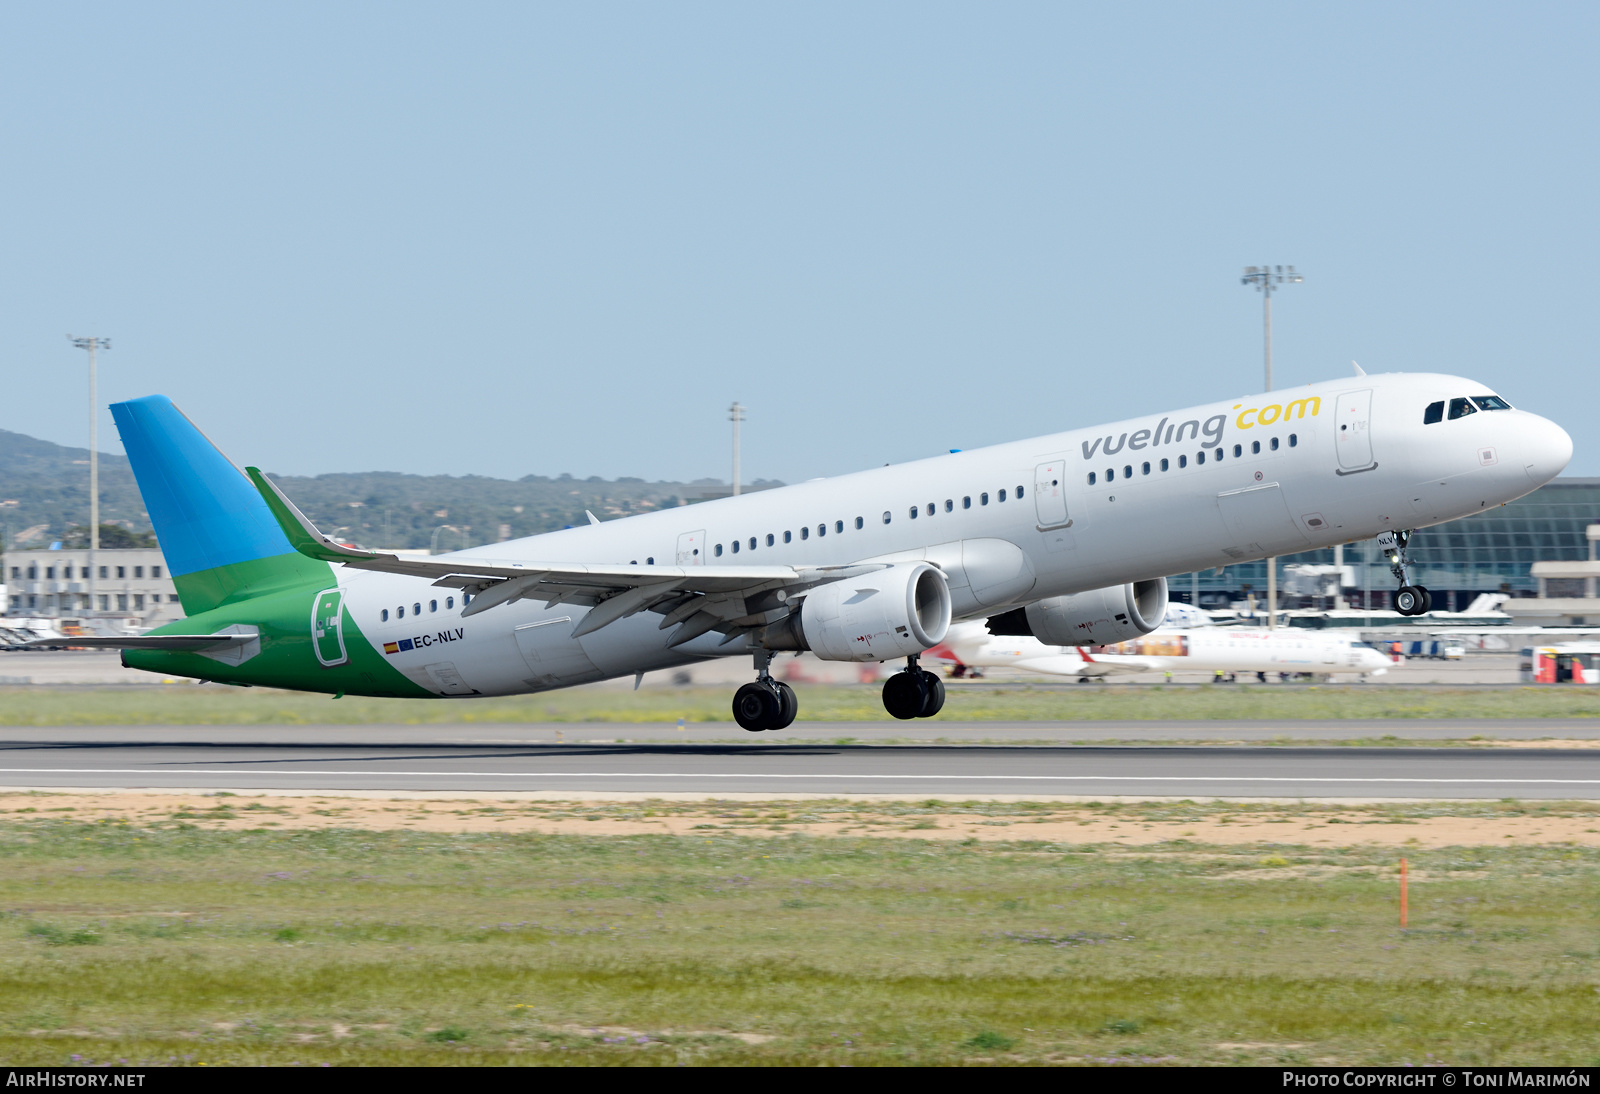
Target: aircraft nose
{"type": "Point", "coordinates": [1547, 449]}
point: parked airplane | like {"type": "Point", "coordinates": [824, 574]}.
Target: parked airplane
{"type": "Point", "coordinates": [1064, 537]}
{"type": "Point", "coordinates": [1219, 650]}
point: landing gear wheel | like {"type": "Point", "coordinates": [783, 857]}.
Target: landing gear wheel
{"type": "Point", "coordinates": [933, 694]}
{"type": "Point", "coordinates": [1408, 600]}
{"type": "Point", "coordinates": [788, 705]}
{"type": "Point", "coordinates": [756, 707]}
{"type": "Point", "coordinates": [1427, 599]}
{"type": "Point", "coordinates": [904, 695]}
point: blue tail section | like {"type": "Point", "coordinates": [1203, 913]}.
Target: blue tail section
{"type": "Point", "coordinates": [206, 513]}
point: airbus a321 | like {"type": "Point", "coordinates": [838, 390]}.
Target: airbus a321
{"type": "Point", "coordinates": [1071, 533]}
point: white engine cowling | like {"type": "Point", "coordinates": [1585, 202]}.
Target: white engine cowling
{"type": "Point", "coordinates": [1099, 617]}
{"type": "Point", "coordinates": [890, 613]}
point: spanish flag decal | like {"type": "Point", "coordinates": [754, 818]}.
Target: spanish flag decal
{"type": "Point", "coordinates": [391, 647]}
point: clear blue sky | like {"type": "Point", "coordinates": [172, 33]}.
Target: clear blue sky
{"type": "Point", "coordinates": [515, 238]}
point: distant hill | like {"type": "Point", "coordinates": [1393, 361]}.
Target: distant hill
{"type": "Point", "coordinates": [44, 490]}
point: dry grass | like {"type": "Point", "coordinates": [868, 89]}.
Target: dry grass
{"type": "Point", "coordinates": [174, 934]}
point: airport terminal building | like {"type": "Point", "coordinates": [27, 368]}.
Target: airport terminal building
{"type": "Point", "coordinates": [1491, 552]}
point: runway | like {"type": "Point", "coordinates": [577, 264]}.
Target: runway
{"type": "Point", "coordinates": [361, 758]}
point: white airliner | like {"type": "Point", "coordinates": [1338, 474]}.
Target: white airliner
{"type": "Point", "coordinates": [1218, 650]}
{"type": "Point", "coordinates": [1066, 538]}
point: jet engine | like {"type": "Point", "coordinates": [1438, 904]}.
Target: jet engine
{"type": "Point", "coordinates": [894, 612]}
{"type": "Point", "coordinates": [1098, 617]}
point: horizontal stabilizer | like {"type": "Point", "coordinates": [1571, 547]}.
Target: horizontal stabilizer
{"type": "Point", "coordinates": [174, 643]}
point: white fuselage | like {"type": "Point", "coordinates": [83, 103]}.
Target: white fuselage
{"type": "Point", "coordinates": [1202, 650]}
{"type": "Point", "coordinates": [1009, 524]}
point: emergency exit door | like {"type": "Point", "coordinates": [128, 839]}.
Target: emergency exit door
{"type": "Point", "coordinates": [1050, 493]}
{"type": "Point", "coordinates": [1352, 431]}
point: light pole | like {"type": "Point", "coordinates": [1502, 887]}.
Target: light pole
{"type": "Point", "coordinates": [1267, 280]}
{"type": "Point", "coordinates": [93, 345]}
{"type": "Point", "coordinates": [736, 415]}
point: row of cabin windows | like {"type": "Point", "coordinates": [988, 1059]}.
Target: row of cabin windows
{"type": "Point", "coordinates": [416, 609]}
{"type": "Point", "coordinates": [83, 572]}
{"type": "Point", "coordinates": [1199, 458]}
{"type": "Point", "coordinates": [1460, 408]}
{"type": "Point", "coordinates": [860, 522]}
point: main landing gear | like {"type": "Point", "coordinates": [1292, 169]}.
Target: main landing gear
{"type": "Point", "coordinates": [913, 693]}
{"type": "Point", "coordinates": [1409, 599]}
{"type": "Point", "coordinates": [766, 703]}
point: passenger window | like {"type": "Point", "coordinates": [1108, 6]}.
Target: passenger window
{"type": "Point", "coordinates": [838, 526]}
{"type": "Point", "coordinates": [1164, 465]}
{"type": "Point", "coordinates": [752, 543]}
{"type": "Point", "coordinates": [1091, 478]}
{"type": "Point", "coordinates": [1491, 402]}
{"type": "Point", "coordinates": [400, 612]}
{"type": "Point", "coordinates": [1460, 408]}
{"type": "Point", "coordinates": [1145, 467]}
{"type": "Point", "coordinates": [932, 509]}
{"type": "Point", "coordinates": [966, 502]}
{"type": "Point", "coordinates": [1019, 493]}
{"type": "Point", "coordinates": [1219, 455]}
{"type": "Point", "coordinates": [1127, 471]}
{"type": "Point", "coordinates": [1238, 449]}
{"type": "Point", "coordinates": [1255, 448]}
{"type": "Point", "coordinates": [914, 512]}
{"type": "Point", "coordinates": [1199, 457]}
{"type": "Point", "coordinates": [983, 499]}
{"type": "Point", "coordinates": [860, 523]}
{"type": "Point", "coordinates": [788, 537]}
{"type": "Point", "coordinates": [651, 561]}
{"type": "Point", "coordinates": [1111, 474]}
{"type": "Point", "coordinates": [449, 602]}
{"type": "Point", "coordinates": [1183, 461]}
{"type": "Point", "coordinates": [1274, 444]}
{"type": "Point", "coordinates": [416, 609]}
{"type": "Point", "coordinates": [735, 546]}
{"type": "Point", "coordinates": [949, 506]}
{"type": "Point", "coordinates": [1000, 495]}
{"type": "Point", "coordinates": [1434, 414]}
{"type": "Point", "coordinates": [886, 517]}
{"type": "Point", "coordinates": [771, 539]}
{"type": "Point", "coordinates": [433, 605]}
{"type": "Point", "coordinates": [805, 533]}
{"type": "Point", "coordinates": [822, 529]}
{"type": "Point", "coordinates": [718, 551]}
{"type": "Point", "coordinates": [383, 616]}
{"type": "Point", "coordinates": [1294, 439]}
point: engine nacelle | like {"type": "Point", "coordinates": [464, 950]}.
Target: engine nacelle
{"type": "Point", "coordinates": [893, 612]}
{"type": "Point", "coordinates": [1098, 617]}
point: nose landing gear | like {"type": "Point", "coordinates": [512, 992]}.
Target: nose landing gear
{"type": "Point", "coordinates": [1409, 599]}
{"type": "Point", "coordinates": [765, 703]}
{"type": "Point", "coordinates": [913, 693]}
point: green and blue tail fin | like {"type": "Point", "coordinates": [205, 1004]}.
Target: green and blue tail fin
{"type": "Point", "coordinates": [221, 541]}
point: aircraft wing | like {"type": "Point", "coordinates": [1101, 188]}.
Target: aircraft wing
{"type": "Point", "coordinates": [172, 642]}
{"type": "Point", "coordinates": [730, 599]}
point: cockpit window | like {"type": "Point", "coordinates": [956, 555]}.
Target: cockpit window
{"type": "Point", "coordinates": [1460, 408]}
{"type": "Point", "coordinates": [1491, 402]}
{"type": "Point", "coordinates": [1434, 413]}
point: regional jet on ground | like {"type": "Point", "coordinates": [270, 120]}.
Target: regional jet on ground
{"type": "Point", "coordinates": [1066, 537]}
{"type": "Point", "coordinates": [1217, 650]}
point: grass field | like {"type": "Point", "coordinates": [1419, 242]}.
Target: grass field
{"type": "Point", "coordinates": [155, 938]}
{"type": "Point", "coordinates": [188, 705]}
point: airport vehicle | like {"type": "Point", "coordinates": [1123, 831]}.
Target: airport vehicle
{"type": "Point", "coordinates": [1220, 650]}
{"type": "Point", "coordinates": [1065, 537]}
{"type": "Point", "coordinates": [1568, 663]}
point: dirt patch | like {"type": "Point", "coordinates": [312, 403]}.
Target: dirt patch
{"type": "Point", "coordinates": [1068, 823]}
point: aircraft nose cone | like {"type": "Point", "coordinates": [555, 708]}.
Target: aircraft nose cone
{"type": "Point", "coordinates": [1548, 450]}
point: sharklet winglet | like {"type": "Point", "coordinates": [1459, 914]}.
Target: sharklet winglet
{"type": "Point", "coordinates": [302, 534]}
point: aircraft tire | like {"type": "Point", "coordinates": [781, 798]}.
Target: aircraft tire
{"type": "Point", "coordinates": [756, 707]}
{"type": "Point", "coordinates": [1407, 600]}
{"type": "Point", "coordinates": [933, 694]}
{"type": "Point", "coordinates": [788, 706]}
{"type": "Point", "coordinates": [1427, 600]}
{"type": "Point", "coordinates": [904, 695]}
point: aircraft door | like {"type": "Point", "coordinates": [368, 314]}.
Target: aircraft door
{"type": "Point", "coordinates": [691, 548]}
{"type": "Point", "coordinates": [1353, 437]}
{"type": "Point", "coordinates": [327, 628]}
{"type": "Point", "coordinates": [1050, 493]}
